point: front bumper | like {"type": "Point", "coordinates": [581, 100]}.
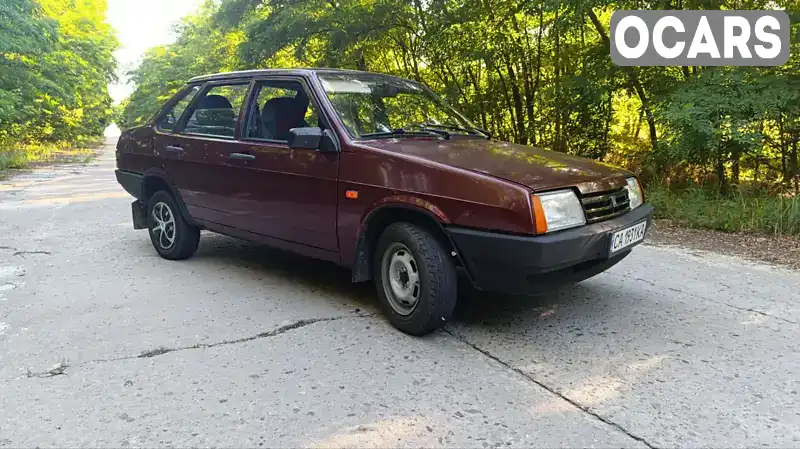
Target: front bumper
{"type": "Point", "coordinates": [529, 264]}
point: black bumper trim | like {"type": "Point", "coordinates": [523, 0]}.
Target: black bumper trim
{"type": "Point", "coordinates": [131, 182]}
{"type": "Point", "coordinates": [529, 264]}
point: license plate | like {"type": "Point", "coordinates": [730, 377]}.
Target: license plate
{"type": "Point", "coordinates": [628, 237]}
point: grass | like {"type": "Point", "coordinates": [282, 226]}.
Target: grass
{"type": "Point", "coordinates": [26, 155]}
{"type": "Point", "coordinates": [700, 208]}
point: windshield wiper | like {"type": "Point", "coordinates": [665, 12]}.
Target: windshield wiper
{"type": "Point", "coordinates": [475, 131]}
{"type": "Point", "coordinates": [400, 132]}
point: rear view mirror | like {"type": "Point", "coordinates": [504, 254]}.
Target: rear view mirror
{"type": "Point", "coordinates": [385, 90]}
{"type": "Point", "coordinates": [305, 138]}
{"type": "Point", "coordinates": [315, 138]}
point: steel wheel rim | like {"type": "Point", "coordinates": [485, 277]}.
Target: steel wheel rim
{"type": "Point", "coordinates": [401, 282]}
{"type": "Point", "coordinates": [164, 230]}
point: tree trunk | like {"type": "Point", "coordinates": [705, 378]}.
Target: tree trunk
{"type": "Point", "coordinates": [537, 83]}
{"type": "Point", "coordinates": [609, 120]}
{"type": "Point", "coordinates": [634, 80]}
{"type": "Point", "coordinates": [362, 62]}
{"type": "Point", "coordinates": [638, 128]}
{"type": "Point", "coordinates": [557, 68]}
{"type": "Point", "coordinates": [722, 181]}
{"type": "Point", "coordinates": [517, 96]}
{"type": "Point", "coordinates": [793, 164]}
{"type": "Point", "coordinates": [507, 98]}
{"type": "Point", "coordinates": [782, 144]}
{"type": "Point", "coordinates": [530, 95]}
{"type": "Point", "coordinates": [478, 95]}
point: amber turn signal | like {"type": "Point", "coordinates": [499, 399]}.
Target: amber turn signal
{"type": "Point", "coordinates": [351, 194]}
{"type": "Point", "coordinates": [539, 219]}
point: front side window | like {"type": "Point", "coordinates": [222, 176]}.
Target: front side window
{"type": "Point", "coordinates": [280, 105]}
{"type": "Point", "coordinates": [372, 105]}
{"type": "Point", "coordinates": [170, 119]}
{"type": "Point", "coordinates": [217, 112]}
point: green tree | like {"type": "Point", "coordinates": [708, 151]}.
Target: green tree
{"type": "Point", "coordinates": [57, 62]}
{"type": "Point", "coordinates": [533, 72]}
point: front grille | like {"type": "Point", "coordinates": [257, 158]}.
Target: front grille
{"type": "Point", "coordinates": [605, 205]}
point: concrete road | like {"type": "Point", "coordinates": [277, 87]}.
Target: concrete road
{"type": "Point", "coordinates": [103, 343]}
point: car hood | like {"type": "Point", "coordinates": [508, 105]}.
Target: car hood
{"type": "Point", "coordinates": [536, 168]}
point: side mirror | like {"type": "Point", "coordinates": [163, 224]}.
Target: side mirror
{"type": "Point", "coordinates": [315, 138]}
{"type": "Point", "coordinates": [305, 138]}
{"type": "Point", "coordinates": [329, 142]}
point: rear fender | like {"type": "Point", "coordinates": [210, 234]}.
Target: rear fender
{"type": "Point", "coordinates": [157, 176]}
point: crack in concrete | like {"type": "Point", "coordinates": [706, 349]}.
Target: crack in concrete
{"type": "Point", "coordinates": [551, 390]}
{"type": "Point", "coordinates": [23, 253]}
{"type": "Point", "coordinates": [60, 369]}
{"type": "Point", "coordinates": [18, 252]}
{"type": "Point", "coordinates": [57, 370]}
{"type": "Point", "coordinates": [758, 312]}
{"type": "Point", "coordinates": [281, 330]}
{"type": "Point", "coordinates": [743, 309]}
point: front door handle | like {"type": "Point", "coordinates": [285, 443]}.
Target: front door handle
{"type": "Point", "coordinates": [241, 157]}
{"type": "Point", "coordinates": [174, 149]}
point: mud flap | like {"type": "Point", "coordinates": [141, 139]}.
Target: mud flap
{"type": "Point", "coordinates": [139, 215]}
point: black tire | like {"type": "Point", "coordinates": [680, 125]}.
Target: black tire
{"type": "Point", "coordinates": [185, 237]}
{"type": "Point", "coordinates": [436, 298]}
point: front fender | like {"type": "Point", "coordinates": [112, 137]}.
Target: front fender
{"type": "Point", "coordinates": [407, 201]}
{"type": "Point", "coordinates": [403, 204]}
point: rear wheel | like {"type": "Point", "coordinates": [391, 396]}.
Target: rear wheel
{"type": "Point", "coordinates": [415, 279]}
{"type": "Point", "coordinates": [172, 237]}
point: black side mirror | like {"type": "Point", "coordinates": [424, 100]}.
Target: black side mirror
{"type": "Point", "coordinates": [315, 138]}
{"type": "Point", "coordinates": [305, 138]}
{"type": "Point", "coordinates": [329, 142]}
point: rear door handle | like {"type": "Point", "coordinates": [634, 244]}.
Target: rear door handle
{"type": "Point", "coordinates": [241, 157]}
{"type": "Point", "coordinates": [174, 149]}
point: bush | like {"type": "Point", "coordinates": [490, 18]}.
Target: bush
{"type": "Point", "coordinates": [23, 155]}
{"type": "Point", "coordinates": [738, 212]}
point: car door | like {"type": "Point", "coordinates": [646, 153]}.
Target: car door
{"type": "Point", "coordinates": [198, 151]}
{"type": "Point", "coordinates": [288, 194]}
{"type": "Point", "coordinates": [180, 161]}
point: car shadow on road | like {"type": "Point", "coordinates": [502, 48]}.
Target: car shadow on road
{"type": "Point", "coordinates": [474, 307]}
{"type": "Point", "coordinates": [311, 274]}
{"type": "Point", "coordinates": [488, 309]}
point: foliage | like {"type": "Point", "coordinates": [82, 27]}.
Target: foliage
{"type": "Point", "coordinates": [24, 155]}
{"type": "Point", "coordinates": [736, 212]}
{"type": "Point", "coordinates": [534, 72]}
{"type": "Point", "coordinates": [55, 66]}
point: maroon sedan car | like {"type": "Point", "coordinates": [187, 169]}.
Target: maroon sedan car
{"type": "Point", "coordinates": [378, 174]}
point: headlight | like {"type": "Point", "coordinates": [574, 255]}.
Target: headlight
{"type": "Point", "coordinates": [635, 193]}
{"type": "Point", "coordinates": [554, 211]}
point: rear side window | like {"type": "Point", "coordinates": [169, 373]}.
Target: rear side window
{"type": "Point", "coordinates": [170, 119]}
{"type": "Point", "coordinates": [217, 112]}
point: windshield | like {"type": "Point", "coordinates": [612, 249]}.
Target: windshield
{"type": "Point", "coordinates": [372, 105]}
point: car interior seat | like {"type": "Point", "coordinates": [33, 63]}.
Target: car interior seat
{"type": "Point", "coordinates": [281, 114]}
{"type": "Point", "coordinates": [215, 115]}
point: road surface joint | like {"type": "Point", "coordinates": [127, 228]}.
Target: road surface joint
{"type": "Point", "coordinates": [530, 378]}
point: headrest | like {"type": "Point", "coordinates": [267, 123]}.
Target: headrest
{"type": "Point", "coordinates": [286, 104]}
{"type": "Point", "coordinates": [215, 102]}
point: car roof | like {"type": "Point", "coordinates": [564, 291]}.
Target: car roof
{"type": "Point", "coordinates": [255, 73]}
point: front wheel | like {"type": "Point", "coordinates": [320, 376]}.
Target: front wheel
{"type": "Point", "coordinates": [415, 278]}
